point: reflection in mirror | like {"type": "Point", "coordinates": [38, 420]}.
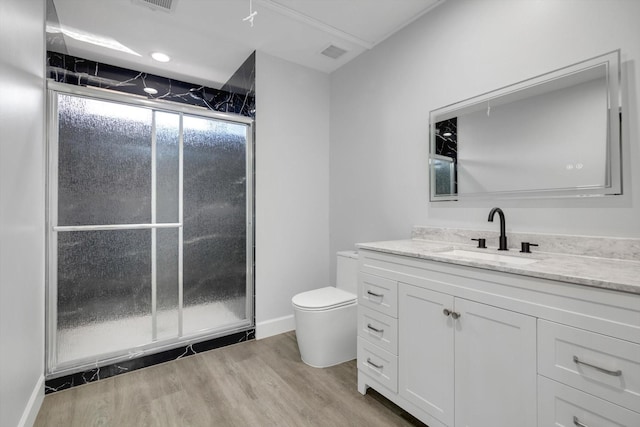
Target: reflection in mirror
{"type": "Point", "coordinates": [446, 156]}
{"type": "Point", "coordinates": [551, 136]}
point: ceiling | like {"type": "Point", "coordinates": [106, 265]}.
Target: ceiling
{"type": "Point", "coordinates": [208, 40]}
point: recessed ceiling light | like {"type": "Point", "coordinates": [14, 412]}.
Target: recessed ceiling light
{"type": "Point", "coordinates": [447, 134]}
{"type": "Point", "coordinates": [150, 90]}
{"type": "Point", "coordinates": [160, 57]}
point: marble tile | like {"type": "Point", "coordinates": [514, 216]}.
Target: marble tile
{"type": "Point", "coordinates": [601, 247]}
{"type": "Point", "coordinates": [243, 81]}
{"type": "Point", "coordinates": [606, 273]}
{"type": "Point", "coordinates": [237, 98]}
{"type": "Point", "coordinates": [605, 262]}
{"type": "Point", "coordinates": [67, 381]}
{"type": "Point", "coordinates": [447, 138]}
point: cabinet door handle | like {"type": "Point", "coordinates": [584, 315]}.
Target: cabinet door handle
{"type": "Point", "coordinates": [453, 314]}
{"type": "Point", "coordinates": [606, 371]}
{"type": "Point", "coordinates": [577, 422]}
{"type": "Point", "coordinates": [373, 294]}
{"type": "Point", "coordinates": [375, 329]}
{"type": "Point", "coordinates": [373, 364]}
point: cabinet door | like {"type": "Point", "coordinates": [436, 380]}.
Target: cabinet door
{"type": "Point", "coordinates": [426, 351]}
{"type": "Point", "coordinates": [495, 367]}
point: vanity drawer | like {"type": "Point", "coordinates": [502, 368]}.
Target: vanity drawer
{"type": "Point", "coordinates": [560, 405]}
{"type": "Point", "coordinates": [378, 328]}
{"type": "Point", "coordinates": [378, 364]}
{"type": "Point", "coordinates": [378, 293]}
{"type": "Point", "coordinates": [603, 366]}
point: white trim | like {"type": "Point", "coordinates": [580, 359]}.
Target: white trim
{"type": "Point", "coordinates": [108, 227]}
{"type": "Point", "coordinates": [331, 30]}
{"type": "Point", "coordinates": [51, 239]}
{"type": "Point", "coordinates": [181, 229]}
{"type": "Point", "coordinates": [154, 232]}
{"type": "Point", "coordinates": [251, 232]}
{"type": "Point", "coordinates": [271, 327]}
{"type": "Point", "coordinates": [410, 20]}
{"type": "Point", "coordinates": [33, 405]}
{"type": "Point", "coordinates": [313, 22]}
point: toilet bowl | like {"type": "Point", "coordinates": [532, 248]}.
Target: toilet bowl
{"type": "Point", "coordinates": [326, 318]}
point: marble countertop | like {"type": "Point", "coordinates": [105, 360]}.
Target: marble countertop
{"type": "Point", "coordinates": [616, 274]}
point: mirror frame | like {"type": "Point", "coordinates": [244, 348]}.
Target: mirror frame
{"type": "Point", "coordinates": [613, 167]}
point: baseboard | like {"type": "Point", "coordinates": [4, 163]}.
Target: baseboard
{"type": "Point", "coordinates": [33, 406]}
{"type": "Point", "coordinates": [271, 327]}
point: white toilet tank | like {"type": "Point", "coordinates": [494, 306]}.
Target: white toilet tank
{"type": "Point", "coordinates": [347, 271]}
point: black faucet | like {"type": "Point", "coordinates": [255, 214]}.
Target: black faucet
{"type": "Point", "coordinates": [503, 234]}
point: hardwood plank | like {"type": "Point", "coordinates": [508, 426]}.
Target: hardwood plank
{"type": "Point", "coordinates": [257, 383]}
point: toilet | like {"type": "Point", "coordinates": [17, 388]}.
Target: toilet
{"type": "Point", "coordinates": [326, 318]}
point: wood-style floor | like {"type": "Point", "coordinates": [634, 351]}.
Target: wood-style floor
{"type": "Point", "coordinates": [256, 383]}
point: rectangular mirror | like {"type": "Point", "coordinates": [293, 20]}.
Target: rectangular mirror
{"type": "Point", "coordinates": [555, 135]}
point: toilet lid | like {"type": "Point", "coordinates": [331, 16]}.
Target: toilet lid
{"type": "Point", "coordinates": [323, 299]}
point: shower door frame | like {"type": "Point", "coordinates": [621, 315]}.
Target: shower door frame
{"type": "Point", "coordinates": [52, 368]}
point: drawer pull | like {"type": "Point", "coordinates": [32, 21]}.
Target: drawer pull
{"type": "Point", "coordinates": [606, 371]}
{"type": "Point", "coordinates": [375, 329]}
{"type": "Point", "coordinates": [373, 364]}
{"type": "Point", "coordinates": [577, 422]}
{"type": "Point", "coordinates": [373, 294]}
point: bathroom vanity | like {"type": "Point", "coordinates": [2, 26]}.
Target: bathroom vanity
{"type": "Point", "coordinates": [469, 337]}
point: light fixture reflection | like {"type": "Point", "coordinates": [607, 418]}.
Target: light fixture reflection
{"type": "Point", "coordinates": [94, 39]}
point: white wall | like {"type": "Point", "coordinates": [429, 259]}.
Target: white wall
{"type": "Point", "coordinates": [380, 106]}
{"type": "Point", "coordinates": [21, 211]}
{"type": "Point", "coordinates": [292, 188]}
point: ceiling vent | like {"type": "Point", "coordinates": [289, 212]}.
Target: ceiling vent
{"type": "Point", "coordinates": [164, 5]}
{"type": "Point", "coordinates": [333, 52]}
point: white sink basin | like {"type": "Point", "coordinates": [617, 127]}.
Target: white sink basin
{"type": "Point", "coordinates": [488, 256]}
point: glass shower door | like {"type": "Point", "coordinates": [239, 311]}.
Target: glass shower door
{"type": "Point", "coordinates": [215, 232]}
{"type": "Point", "coordinates": [149, 230]}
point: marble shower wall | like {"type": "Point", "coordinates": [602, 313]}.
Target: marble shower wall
{"type": "Point", "coordinates": [237, 96]}
{"type": "Point", "coordinates": [243, 81]}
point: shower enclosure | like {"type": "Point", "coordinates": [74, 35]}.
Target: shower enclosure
{"type": "Point", "coordinates": [444, 173]}
{"type": "Point", "coordinates": [150, 234]}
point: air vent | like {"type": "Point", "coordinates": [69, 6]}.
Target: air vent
{"type": "Point", "coordinates": [164, 5]}
{"type": "Point", "coordinates": [334, 52]}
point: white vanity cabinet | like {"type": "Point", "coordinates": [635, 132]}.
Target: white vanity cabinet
{"type": "Point", "coordinates": [470, 347]}
{"type": "Point", "coordinates": [471, 359]}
